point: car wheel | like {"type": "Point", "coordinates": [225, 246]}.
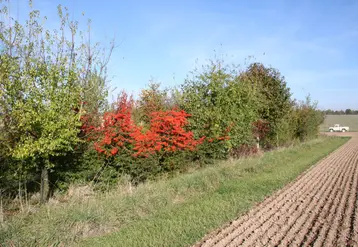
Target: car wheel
{"type": "Point", "coordinates": [343, 130]}
{"type": "Point", "coordinates": [330, 130]}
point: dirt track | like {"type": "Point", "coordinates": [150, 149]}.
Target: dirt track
{"type": "Point", "coordinates": [320, 208]}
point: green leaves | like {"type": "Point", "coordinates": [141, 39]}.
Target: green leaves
{"type": "Point", "coordinates": [43, 86]}
{"type": "Point", "coordinates": [218, 100]}
{"type": "Point", "coordinates": [272, 95]}
{"type": "Point", "coordinates": [46, 116]}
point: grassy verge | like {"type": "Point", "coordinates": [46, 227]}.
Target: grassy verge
{"type": "Point", "coordinates": [174, 212]}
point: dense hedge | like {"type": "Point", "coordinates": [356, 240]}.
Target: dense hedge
{"type": "Point", "coordinates": [213, 115]}
{"type": "Point", "coordinates": [216, 113]}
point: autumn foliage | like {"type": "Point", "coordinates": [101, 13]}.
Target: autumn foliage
{"type": "Point", "coordinates": [118, 133]}
{"type": "Point", "coordinates": [260, 128]}
{"type": "Point", "coordinates": [166, 134]}
{"type": "Point", "coordinates": [115, 134]}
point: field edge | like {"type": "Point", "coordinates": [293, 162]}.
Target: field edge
{"type": "Point", "coordinates": [107, 240]}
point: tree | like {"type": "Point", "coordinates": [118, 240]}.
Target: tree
{"type": "Point", "coordinates": [272, 93]}
{"type": "Point", "coordinates": [329, 112]}
{"type": "Point", "coordinates": [45, 80]}
{"type": "Point", "coordinates": [348, 111]}
{"type": "Point", "coordinates": [222, 107]}
{"type": "Point", "coordinates": [308, 119]}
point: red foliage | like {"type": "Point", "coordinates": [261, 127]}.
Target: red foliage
{"type": "Point", "coordinates": [166, 134]}
{"type": "Point", "coordinates": [118, 132]}
{"type": "Point", "coordinates": [260, 128]}
{"type": "Point", "coordinates": [114, 151]}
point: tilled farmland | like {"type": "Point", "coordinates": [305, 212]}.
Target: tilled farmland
{"type": "Point", "coordinates": [320, 208]}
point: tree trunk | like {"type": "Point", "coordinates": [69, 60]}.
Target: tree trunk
{"type": "Point", "coordinates": [1, 209]}
{"type": "Point", "coordinates": [20, 196]}
{"type": "Point", "coordinates": [45, 186]}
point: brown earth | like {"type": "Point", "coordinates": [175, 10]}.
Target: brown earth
{"type": "Point", "coordinates": [320, 208]}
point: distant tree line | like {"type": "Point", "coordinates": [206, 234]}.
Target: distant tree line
{"type": "Point", "coordinates": [341, 112]}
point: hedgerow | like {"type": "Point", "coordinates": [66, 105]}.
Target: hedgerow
{"type": "Point", "coordinates": [57, 127]}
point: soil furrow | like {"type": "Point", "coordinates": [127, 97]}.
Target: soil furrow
{"type": "Point", "coordinates": [353, 238]}
{"type": "Point", "coordinates": [268, 204]}
{"type": "Point", "coordinates": [335, 199]}
{"type": "Point", "coordinates": [293, 206]}
{"type": "Point", "coordinates": [254, 222]}
{"type": "Point", "coordinates": [316, 227]}
{"type": "Point", "coordinates": [324, 234]}
{"type": "Point", "coordinates": [306, 213]}
{"type": "Point", "coordinates": [345, 224]}
{"type": "Point", "coordinates": [280, 225]}
{"type": "Point", "coordinates": [318, 208]}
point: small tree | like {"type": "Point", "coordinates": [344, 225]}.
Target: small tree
{"type": "Point", "coordinates": [46, 118]}
{"type": "Point", "coordinates": [130, 148]}
{"type": "Point", "coordinates": [222, 107]}
{"type": "Point", "coordinates": [272, 93]}
{"type": "Point", "coordinates": [308, 119]}
{"type": "Point", "coordinates": [45, 78]}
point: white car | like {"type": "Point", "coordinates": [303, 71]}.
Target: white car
{"type": "Point", "coordinates": [338, 128]}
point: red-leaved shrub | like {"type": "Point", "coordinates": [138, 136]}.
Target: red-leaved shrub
{"type": "Point", "coordinates": [166, 134]}
{"type": "Point", "coordinates": [116, 133]}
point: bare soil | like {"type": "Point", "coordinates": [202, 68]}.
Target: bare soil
{"type": "Point", "coordinates": [319, 208]}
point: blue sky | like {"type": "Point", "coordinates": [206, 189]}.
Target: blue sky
{"type": "Point", "coordinates": [313, 43]}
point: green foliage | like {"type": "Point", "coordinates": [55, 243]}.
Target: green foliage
{"type": "Point", "coordinates": [286, 129]}
{"type": "Point", "coordinates": [51, 84]}
{"type": "Point", "coordinates": [308, 118]}
{"type": "Point", "coordinates": [221, 105]}
{"type": "Point", "coordinates": [94, 97]}
{"type": "Point", "coordinates": [151, 99]}
{"type": "Point", "coordinates": [140, 170]}
{"type": "Point", "coordinates": [46, 118]}
{"type": "Point", "coordinates": [39, 94]}
{"type": "Point", "coordinates": [47, 82]}
{"type": "Point", "coordinates": [272, 93]}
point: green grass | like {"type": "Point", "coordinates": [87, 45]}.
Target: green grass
{"type": "Point", "coordinates": [347, 120]}
{"type": "Point", "coordinates": [172, 212]}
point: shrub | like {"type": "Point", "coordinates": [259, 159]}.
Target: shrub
{"type": "Point", "coordinates": [273, 95]}
{"type": "Point", "coordinates": [308, 119]}
{"type": "Point", "coordinates": [222, 109]}
{"type": "Point", "coordinates": [166, 134]}
{"type": "Point", "coordinates": [138, 152]}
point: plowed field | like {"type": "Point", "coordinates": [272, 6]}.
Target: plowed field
{"type": "Point", "coordinates": [320, 208]}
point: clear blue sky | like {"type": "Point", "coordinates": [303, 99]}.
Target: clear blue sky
{"type": "Point", "coordinates": [313, 43]}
